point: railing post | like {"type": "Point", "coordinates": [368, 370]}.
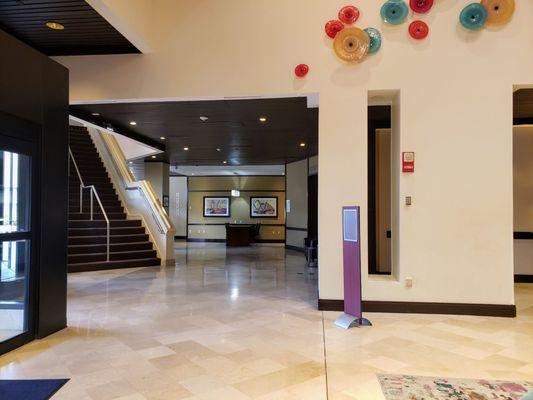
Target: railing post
{"type": "Point", "coordinates": [92, 215]}
{"type": "Point", "coordinates": [108, 240]}
{"type": "Point", "coordinates": [81, 198]}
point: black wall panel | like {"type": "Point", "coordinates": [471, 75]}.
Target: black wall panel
{"type": "Point", "coordinates": [35, 88]}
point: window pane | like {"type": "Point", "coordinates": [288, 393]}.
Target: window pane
{"type": "Point", "coordinates": [14, 275]}
{"type": "Point", "coordinates": [15, 185]}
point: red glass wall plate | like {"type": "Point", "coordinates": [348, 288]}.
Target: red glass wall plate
{"type": "Point", "coordinates": [349, 14]}
{"type": "Point", "coordinates": [333, 27]}
{"type": "Point", "coordinates": [421, 6]}
{"type": "Point", "coordinates": [301, 70]}
{"type": "Point", "coordinates": [418, 30]}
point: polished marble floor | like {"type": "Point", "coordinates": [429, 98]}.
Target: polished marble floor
{"type": "Point", "coordinates": [242, 324]}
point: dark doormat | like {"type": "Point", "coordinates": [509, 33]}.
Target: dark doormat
{"type": "Point", "coordinates": [30, 389]}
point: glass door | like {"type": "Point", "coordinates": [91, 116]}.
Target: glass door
{"type": "Point", "coordinates": [16, 242]}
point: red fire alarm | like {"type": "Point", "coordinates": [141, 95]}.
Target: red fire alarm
{"type": "Point", "coordinates": [408, 161]}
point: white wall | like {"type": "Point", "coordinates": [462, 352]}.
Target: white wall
{"type": "Point", "coordinates": [296, 176]}
{"type": "Point", "coordinates": [178, 204]}
{"type": "Point", "coordinates": [523, 198]}
{"type": "Point", "coordinates": [455, 90]}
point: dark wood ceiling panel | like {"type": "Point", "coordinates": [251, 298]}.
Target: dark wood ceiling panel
{"type": "Point", "coordinates": [233, 127]}
{"type": "Point", "coordinates": [86, 31]}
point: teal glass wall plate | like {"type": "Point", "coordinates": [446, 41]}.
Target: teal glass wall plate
{"type": "Point", "coordinates": [375, 40]}
{"type": "Point", "coordinates": [474, 16]}
{"type": "Point", "coordinates": [394, 12]}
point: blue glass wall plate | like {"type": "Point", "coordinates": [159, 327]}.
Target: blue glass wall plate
{"type": "Point", "coordinates": [474, 16]}
{"type": "Point", "coordinates": [375, 40]}
{"type": "Point", "coordinates": [394, 12]}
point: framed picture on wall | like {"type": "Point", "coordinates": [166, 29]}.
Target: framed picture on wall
{"type": "Point", "coordinates": [216, 206]}
{"type": "Point", "coordinates": [263, 207]}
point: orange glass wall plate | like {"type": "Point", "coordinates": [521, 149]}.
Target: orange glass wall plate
{"type": "Point", "coordinates": [499, 11]}
{"type": "Point", "coordinates": [351, 44]}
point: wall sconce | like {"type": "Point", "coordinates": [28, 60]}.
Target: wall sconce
{"type": "Point", "coordinates": [235, 193]}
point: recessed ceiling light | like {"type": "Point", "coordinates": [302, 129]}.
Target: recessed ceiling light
{"type": "Point", "coordinates": [162, 138]}
{"type": "Point", "coordinates": [133, 123]}
{"type": "Point", "coordinates": [262, 119]}
{"type": "Point", "coordinates": [218, 149]}
{"type": "Point", "coordinates": [56, 26]}
{"type": "Point", "coordinates": [203, 118]}
{"type": "Point", "coordinates": [224, 162]}
{"type": "Point", "coordinates": [131, 162]}
{"type": "Point", "coordinates": [302, 144]}
{"type": "Point", "coordinates": [153, 156]}
{"type": "Point", "coordinates": [186, 148]}
{"type": "Point", "coordinates": [96, 114]}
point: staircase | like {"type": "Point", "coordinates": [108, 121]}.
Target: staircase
{"type": "Point", "coordinates": [130, 245]}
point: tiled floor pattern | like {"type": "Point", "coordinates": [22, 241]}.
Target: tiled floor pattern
{"type": "Point", "coordinates": [242, 324]}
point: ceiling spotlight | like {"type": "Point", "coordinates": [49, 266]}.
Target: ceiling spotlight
{"type": "Point", "coordinates": [56, 26]}
{"type": "Point", "coordinates": [218, 149]}
{"type": "Point", "coordinates": [203, 118]}
{"type": "Point", "coordinates": [131, 162]}
{"type": "Point", "coordinates": [186, 148]}
{"type": "Point", "coordinates": [133, 123]}
{"type": "Point", "coordinates": [162, 138]}
{"type": "Point", "coordinates": [262, 119]}
{"type": "Point", "coordinates": [153, 156]}
{"type": "Point", "coordinates": [224, 162]}
{"type": "Point", "coordinates": [95, 114]}
{"type": "Point", "coordinates": [302, 144]}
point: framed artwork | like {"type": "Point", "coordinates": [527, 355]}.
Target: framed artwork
{"type": "Point", "coordinates": [216, 206]}
{"type": "Point", "coordinates": [263, 207]}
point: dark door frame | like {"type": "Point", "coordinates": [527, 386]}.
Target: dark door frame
{"type": "Point", "coordinates": [379, 117]}
{"type": "Point", "coordinates": [23, 137]}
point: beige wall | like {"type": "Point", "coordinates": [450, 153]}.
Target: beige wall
{"type": "Point", "coordinates": [523, 197]}
{"type": "Point", "coordinates": [200, 227]}
{"type": "Point", "coordinates": [297, 174]}
{"type": "Point", "coordinates": [157, 173]}
{"type": "Point", "coordinates": [455, 90]}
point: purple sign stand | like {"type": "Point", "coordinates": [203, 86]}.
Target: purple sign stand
{"type": "Point", "coordinates": [351, 244]}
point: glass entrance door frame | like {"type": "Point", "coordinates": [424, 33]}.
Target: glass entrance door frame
{"type": "Point", "coordinates": [21, 137]}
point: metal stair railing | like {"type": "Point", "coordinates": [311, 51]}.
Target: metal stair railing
{"type": "Point", "coordinates": [94, 195]}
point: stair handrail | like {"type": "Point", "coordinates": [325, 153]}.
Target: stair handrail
{"type": "Point", "coordinates": [93, 193]}
{"type": "Point", "coordinates": [144, 187]}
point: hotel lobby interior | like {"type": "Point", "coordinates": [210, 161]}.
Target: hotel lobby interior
{"type": "Point", "coordinates": [234, 199]}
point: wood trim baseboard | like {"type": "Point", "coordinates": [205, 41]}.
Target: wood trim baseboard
{"type": "Point", "coordinates": [193, 240]}
{"type": "Point", "coordinates": [523, 235]}
{"type": "Point", "coordinates": [180, 237]}
{"type": "Point", "coordinates": [523, 278]}
{"type": "Point", "coordinates": [295, 248]}
{"type": "Point", "coordinates": [400, 307]}
{"type": "Point", "coordinates": [269, 241]}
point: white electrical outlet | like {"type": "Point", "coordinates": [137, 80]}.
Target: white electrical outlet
{"type": "Point", "coordinates": [409, 282]}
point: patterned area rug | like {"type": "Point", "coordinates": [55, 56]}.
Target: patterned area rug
{"type": "Point", "coordinates": [407, 387]}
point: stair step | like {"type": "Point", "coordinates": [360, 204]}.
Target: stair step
{"type": "Point", "coordinates": [86, 210]}
{"type": "Point", "coordinates": [103, 231]}
{"type": "Point", "coordinates": [118, 256]}
{"type": "Point", "coordinates": [102, 239]}
{"type": "Point", "coordinates": [115, 223]}
{"type": "Point", "coordinates": [75, 190]}
{"type": "Point", "coordinates": [99, 266]}
{"type": "Point", "coordinates": [102, 247]}
{"type": "Point", "coordinates": [76, 216]}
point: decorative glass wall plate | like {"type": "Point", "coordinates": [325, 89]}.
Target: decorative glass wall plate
{"type": "Point", "coordinates": [394, 12]}
{"type": "Point", "coordinates": [349, 14]}
{"type": "Point", "coordinates": [301, 70]}
{"type": "Point", "coordinates": [333, 27]}
{"type": "Point", "coordinates": [351, 44]}
{"type": "Point", "coordinates": [421, 6]}
{"type": "Point", "coordinates": [474, 16]}
{"type": "Point", "coordinates": [375, 40]}
{"type": "Point", "coordinates": [418, 30]}
{"type": "Point", "coordinates": [499, 11]}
